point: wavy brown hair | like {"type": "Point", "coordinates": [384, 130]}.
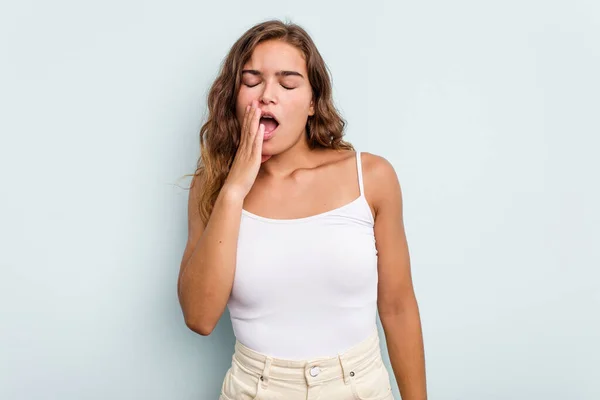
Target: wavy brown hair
{"type": "Point", "coordinates": [220, 135]}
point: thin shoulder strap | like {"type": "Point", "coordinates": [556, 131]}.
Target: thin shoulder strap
{"type": "Point", "coordinates": [360, 174]}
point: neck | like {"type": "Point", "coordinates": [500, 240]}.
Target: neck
{"type": "Point", "coordinates": [284, 164]}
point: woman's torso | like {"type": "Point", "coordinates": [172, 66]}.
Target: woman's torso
{"type": "Point", "coordinates": [306, 287]}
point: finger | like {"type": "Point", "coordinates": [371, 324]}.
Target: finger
{"type": "Point", "coordinates": [244, 127]}
{"type": "Point", "coordinates": [255, 122]}
{"type": "Point", "coordinates": [251, 114]}
{"type": "Point", "coordinates": [258, 141]}
{"type": "Point", "coordinates": [246, 113]}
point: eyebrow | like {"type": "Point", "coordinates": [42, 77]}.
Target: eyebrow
{"type": "Point", "coordinates": [279, 73]}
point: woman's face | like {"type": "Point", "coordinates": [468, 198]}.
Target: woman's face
{"type": "Point", "coordinates": [276, 77]}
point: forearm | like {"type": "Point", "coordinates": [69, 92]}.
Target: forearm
{"type": "Point", "coordinates": [207, 276]}
{"type": "Point", "coordinates": [404, 340]}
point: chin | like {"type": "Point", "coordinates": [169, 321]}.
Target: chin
{"type": "Point", "coordinates": [268, 150]}
{"type": "Point", "coordinates": [269, 143]}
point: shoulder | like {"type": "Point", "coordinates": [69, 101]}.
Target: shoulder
{"type": "Point", "coordinates": [378, 168]}
{"type": "Point", "coordinates": [197, 185]}
{"type": "Point", "coordinates": [381, 183]}
{"type": "Point", "coordinates": [195, 195]}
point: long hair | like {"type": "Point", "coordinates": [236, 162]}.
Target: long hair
{"type": "Point", "coordinates": [220, 135]}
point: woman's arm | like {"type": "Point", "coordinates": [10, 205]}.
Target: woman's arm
{"type": "Point", "coordinates": [208, 265]}
{"type": "Point", "coordinates": [398, 309]}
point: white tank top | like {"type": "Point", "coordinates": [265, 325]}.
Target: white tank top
{"type": "Point", "coordinates": [306, 287]}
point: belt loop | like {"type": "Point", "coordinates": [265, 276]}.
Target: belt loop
{"type": "Point", "coordinates": [264, 378]}
{"type": "Point", "coordinates": [345, 370]}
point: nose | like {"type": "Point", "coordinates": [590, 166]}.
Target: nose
{"type": "Point", "coordinates": [267, 96]}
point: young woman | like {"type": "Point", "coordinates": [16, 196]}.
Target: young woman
{"type": "Point", "coordinates": [297, 234]}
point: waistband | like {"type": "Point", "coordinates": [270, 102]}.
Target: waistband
{"type": "Point", "coordinates": [314, 371]}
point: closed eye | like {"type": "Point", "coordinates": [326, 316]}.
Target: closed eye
{"type": "Point", "coordinates": [285, 87]}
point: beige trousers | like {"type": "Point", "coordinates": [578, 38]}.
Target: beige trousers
{"type": "Point", "coordinates": [357, 374]}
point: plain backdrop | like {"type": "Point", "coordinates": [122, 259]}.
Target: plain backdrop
{"type": "Point", "coordinates": [488, 110]}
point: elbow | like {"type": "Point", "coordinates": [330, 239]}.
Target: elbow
{"type": "Point", "coordinates": [399, 306]}
{"type": "Point", "coordinates": [195, 323]}
{"type": "Point", "coordinates": [203, 328]}
{"type": "Point", "coordinates": [197, 318]}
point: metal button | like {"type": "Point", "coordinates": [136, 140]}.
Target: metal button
{"type": "Point", "coordinates": [314, 371]}
{"type": "Point", "coordinates": [352, 373]}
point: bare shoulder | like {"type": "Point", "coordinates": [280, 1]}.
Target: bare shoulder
{"type": "Point", "coordinates": [195, 223]}
{"type": "Point", "coordinates": [378, 168]}
{"type": "Point", "coordinates": [382, 187]}
{"type": "Point", "coordinates": [195, 189]}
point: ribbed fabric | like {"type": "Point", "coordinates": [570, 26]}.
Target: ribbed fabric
{"type": "Point", "coordinates": [306, 287]}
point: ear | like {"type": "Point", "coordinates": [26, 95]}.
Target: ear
{"type": "Point", "coordinates": [311, 109]}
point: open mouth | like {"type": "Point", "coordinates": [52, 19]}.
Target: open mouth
{"type": "Point", "coordinates": [270, 124]}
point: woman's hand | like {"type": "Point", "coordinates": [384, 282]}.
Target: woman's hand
{"type": "Point", "coordinates": [248, 157]}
